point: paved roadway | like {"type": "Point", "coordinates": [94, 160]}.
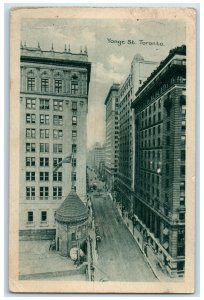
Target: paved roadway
{"type": "Point", "coordinates": [119, 257]}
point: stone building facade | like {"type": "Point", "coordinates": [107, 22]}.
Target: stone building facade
{"type": "Point", "coordinates": [160, 133]}
{"type": "Point", "coordinates": [139, 71]}
{"type": "Point", "coordinates": [53, 108]}
{"type": "Point", "coordinates": [112, 135]}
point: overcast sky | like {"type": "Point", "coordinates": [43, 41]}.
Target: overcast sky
{"type": "Point", "coordinates": [110, 62]}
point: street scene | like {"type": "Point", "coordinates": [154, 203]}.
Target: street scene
{"type": "Point", "coordinates": [119, 257]}
{"type": "Point", "coordinates": [103, 150]}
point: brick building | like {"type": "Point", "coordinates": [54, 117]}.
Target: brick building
{"type": "Point", "coordinates": [53, 107]}
{"type": "Point", "coordinates": [160, 131]}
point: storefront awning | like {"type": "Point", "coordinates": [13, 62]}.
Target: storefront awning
{"type": "Point", "coordinates": [165, 231]}
{"type": "Point", "coordinates": [166, 245]}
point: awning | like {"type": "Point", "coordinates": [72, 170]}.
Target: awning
{"type": "Point", "coordinates": [165, 231]}
{"type": "Point", "coordinates": [166, 245]}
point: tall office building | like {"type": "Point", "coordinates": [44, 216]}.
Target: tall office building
{"type": "Point", "coordinates": [99, 154]}
{"type": "Point", "coordinates": [112, 130]}
{"type": "Point", "coordinates": [53, 108]}
{"type": "Point", "coordinates": [140, 70]}
{"type": "Point", "coordinates": [160, 131]}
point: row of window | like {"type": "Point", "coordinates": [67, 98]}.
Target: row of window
{"type": "Point", "coordinates": [45, 161]}
{"type": "Point", "coordinates": [45, 85]}
{"type": "Point", "coordinates": [45, 133]}
{"type": "Point", "coordinates": [44, 176]}
{"type": "Point", "coordinates": [44, 104]}
{"type": "Point", "coordinates": [44, 147]}
{"type": "Point", "coordinates": [43, 216]}
{"type": "Point", "coordinates": [45, 119]}
{"type": "Point", "coordinates": [43, 192]}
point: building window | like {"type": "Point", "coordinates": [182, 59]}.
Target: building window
{"type": "Point", "coordinates": [58, 86]}
{"type": "Point", "coordinates": [183, 154]}
{"type": "Point", "coordinates": [44, 147]}
{"type": "Point", "coordinates": [44, 85]}
{"type": "Point", "coordinates": [57, 148]}
{"type": "Point", "coordinates": [30, 193]}
{"type": "Point", "coordinates": [183, 110]}
{"type": "Point", "coordinates": [30, 84]}
{"type": "Point", "coordinates": [44, 119]}
{"type": "Point", "coordinates": [43, 216]}
{"type": "Point", "coordinates": [182, 217]}
{"type": "Point", "coordinates": [57, 120]}
{"type": "Point", "coordinates": [30, 103]}
{"type": "Point", "coordinates": [168, 140]}
{"type": "Point", "coordinates": [30, 176]}
{"type": "Point", "coordinates": [56, 161]}
{"type": "Point", "coordinates": [159, 116]}
{"type": "Point", "coordinates": [73, 176]}
{"type": "Point", "coordinates": [57, 192]}
{"type": "Point", "coordinates": [182, 170]}
{"type": "Point", "coordinates": [30, 161]}
{"type": "Point", "coordinates": [168, 125]}
{"type": "Point", "coordinates": [30, 118]}
{"type": "Point", "coordinates": [74, 105]}
{"type": "Point", "coordinates": [74, 88]}
{"type": "Point", "coordinates": [57, 176]}
{"type": "Point", "coordinates": [182, 201]}
{"type": "Point", "coordinates": [30, 147]}
{"type": "Point", "coordinates": [44, 104]}
{"type": "Point", "coordinates": [30, 133]}
{"type": "Point", "coordinates": [30, 216]}
{"type": "Point", "coordinates": [183, 125]}
{"type": "Point", "coordinates": [73, 162]}
{"type": "Point", "coordinates": [44, 161]}
{"type": "Point", "coordinates": [57, 134]}
{"type": "Point", "coordinates": [74, 148]}
{"type": "Point", "coordinates": [74, 120]}
{"type": "Point", "coordinates": [73, 236]}
{"type": "Point", "coordinates": [44, 192]}
{"type": "Point", "coordinates": [74, 133]}
{"type": "Point", "coordinates": [58, 105]}
{"type": "Point", "coordinates": [44, 176]}
{"type": "Point", "coordinates": [183, 139]}
{"type": "Point", "coordinates": [44, 133]}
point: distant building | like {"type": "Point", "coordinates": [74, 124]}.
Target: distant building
{"type": "Point", "coordinates": [160, 133]}
{"type": "Point", "coordinates": [111, 159]}
{"type": "Point", "coordinates": [140, 70]}
{"type": "Point", "coordinates": [53, 107]}
{"type": "Point", "coordinates": [99, 154]}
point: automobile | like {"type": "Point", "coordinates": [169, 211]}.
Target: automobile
{"type": "Point", "coordinates": [97, 232]}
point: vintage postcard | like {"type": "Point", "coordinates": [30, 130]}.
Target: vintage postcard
{"type": "Point", "coordinates": [102, 144]}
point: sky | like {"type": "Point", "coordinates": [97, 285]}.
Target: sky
{"type": "Point", "coordinates": [110, 60]}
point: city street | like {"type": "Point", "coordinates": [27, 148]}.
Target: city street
{"type": "Point", "coordinates": [119, 257]}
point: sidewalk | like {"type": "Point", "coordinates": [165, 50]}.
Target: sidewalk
{"type": "Point", "coordinates": [153, 262]}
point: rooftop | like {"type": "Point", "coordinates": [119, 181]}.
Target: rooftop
{"type": "Point", "coordinates": [72, 210]}
{"type": "Point", "coordinates": [178, 50]}
{"type": "Point", "coordinates": [66, 54]}
{"type": "Point", "coordinates": [114, 87]}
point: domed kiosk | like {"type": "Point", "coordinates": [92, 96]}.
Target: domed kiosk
{"type": "Point", "coordinates": [72, 224]}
